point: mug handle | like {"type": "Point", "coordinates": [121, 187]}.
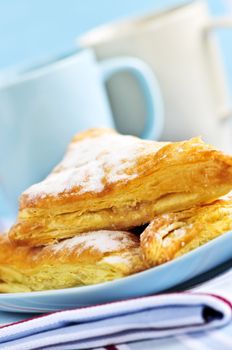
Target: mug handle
{"type": "Point", "coordinates": [211, 25]}
{"type": "Point", "coordinates": [149, 85]}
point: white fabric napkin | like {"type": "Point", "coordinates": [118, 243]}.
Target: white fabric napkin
{"type": "Point", "coordinates": [118, 322]}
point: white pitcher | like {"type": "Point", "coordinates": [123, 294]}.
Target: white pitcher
{"type": "Point", "coordinates": [180, 46]}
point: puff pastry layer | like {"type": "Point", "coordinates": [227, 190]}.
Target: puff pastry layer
{"type": "Point", "coordinates": [171, 235]}
{"type": "Point", "coordinates": [111, 181]}
{"type": "Point", "coordinates": [89, 258]}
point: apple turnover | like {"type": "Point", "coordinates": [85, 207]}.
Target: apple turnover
{"type": "Point", "coordinates": [89, 258]}
{"type": "Point", "coordinates": [174, 234]}
{"type": "Point", "coordinates": [110, 181]}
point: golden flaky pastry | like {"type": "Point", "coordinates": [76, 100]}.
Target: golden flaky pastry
{"type": "Point", "coordinates": [171, 235]}
{"type": "Point", "coordinates": [89, 258]}
{"type": "Point", "coordinates": [110, 181]}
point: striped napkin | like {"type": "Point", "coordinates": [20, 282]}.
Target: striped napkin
{"type": "Point", "coordinates": [118, 322]}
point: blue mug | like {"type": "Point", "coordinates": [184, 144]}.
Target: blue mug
{"type": "Point", "coordinates": [41, 109]}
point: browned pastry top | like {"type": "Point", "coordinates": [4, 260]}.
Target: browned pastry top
{"type": "Point", "coordinates": [117, 182]}
{"type": "Point", "coordinates": [173, 234]}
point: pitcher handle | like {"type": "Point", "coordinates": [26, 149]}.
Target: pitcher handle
{"type": "Point", "coordinates": [225, 112]}
{"type": "Point", "coordinates": [150, 88]}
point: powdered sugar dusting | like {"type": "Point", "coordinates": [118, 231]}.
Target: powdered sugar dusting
{"type": "Point", "coordinates": [179, 233]}
{"type": "Point", "coordinates": [227, 197]}
{"type": "Point", "coordinates": [104, 241]}
{"type": "Point", "coordinates": [116, 259]}
{"type": "Point", "coordinates": [166, 242]}
{"type": "Point", "coordinates": [92, 163]}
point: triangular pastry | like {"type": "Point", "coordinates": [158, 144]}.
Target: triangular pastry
{"type": "Point", "coordinates": [171, 235]}
{"type": "Point", "coordinates": [110, 181]}
{"type": "Point", "coordinates": [89, 258]}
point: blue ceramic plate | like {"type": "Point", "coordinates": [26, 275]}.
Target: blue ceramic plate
{"type": "Point", "coordinates": [154, 280]}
